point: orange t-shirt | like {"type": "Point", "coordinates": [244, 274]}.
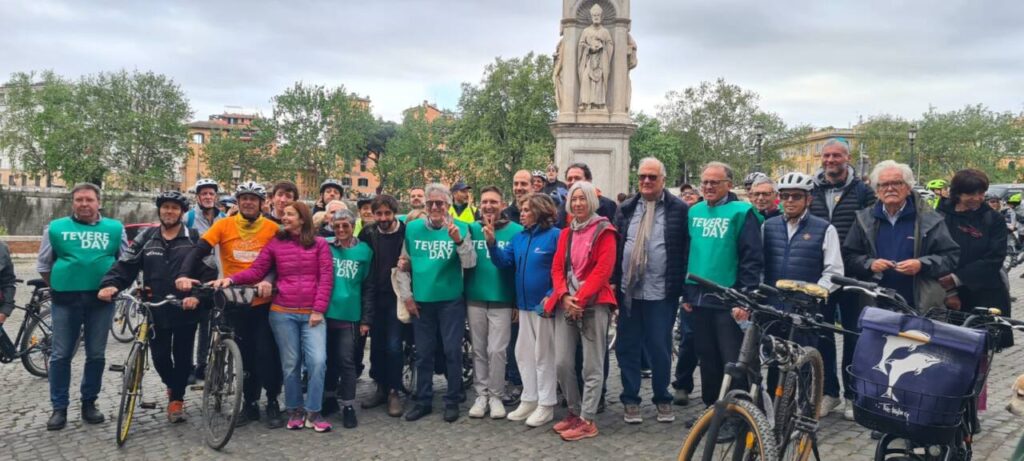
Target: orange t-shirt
{"type": "Point", "coordinates": [240, 243]}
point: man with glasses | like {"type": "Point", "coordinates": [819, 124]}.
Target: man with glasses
{"type": "Point", "coordinates": [837, 197]}
{"type": "Point", "coordinates": [763, 196]}
{"type": "Point", "coordinates": [725, 247]}
{"type": "Point", "coordinates": [649, 278]}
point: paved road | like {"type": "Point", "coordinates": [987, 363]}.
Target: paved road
{"type": "Point", "coordinates": [24, 408]}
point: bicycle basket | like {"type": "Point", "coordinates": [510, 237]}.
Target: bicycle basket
{"type": "Point", "coordinates": [911, 374]}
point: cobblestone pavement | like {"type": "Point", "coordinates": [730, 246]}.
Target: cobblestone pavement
{"type": "Point", "coordinates": [24, 408]}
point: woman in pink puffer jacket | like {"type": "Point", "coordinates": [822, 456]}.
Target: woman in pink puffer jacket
{"type": "Point", "coordinates": [305, 278]}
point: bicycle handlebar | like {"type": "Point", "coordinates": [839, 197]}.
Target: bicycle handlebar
{"type": "Point", "coordinates": [170, 299]}
{"type": "Point", "coordinates": [850, 282]}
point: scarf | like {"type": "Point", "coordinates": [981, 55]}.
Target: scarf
{"type": "Point", "coordinates": [638, 258]}
{"type": "Point", "coordinates": [247, 229]}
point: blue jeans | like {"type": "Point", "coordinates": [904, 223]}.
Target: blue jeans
{"type": "Point", "coordinates": [647, 325]}
{"type": "Point", "coordinates": [73, 313]}
{"type": "Point", "coordinates": [686, 363]}
{"type": "Point", "coordinates": [447, 318]}
{"type": "Point", "coordinates": [294, 336]}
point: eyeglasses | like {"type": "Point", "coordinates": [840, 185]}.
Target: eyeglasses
{"type": "Point", "coordinates": [712, 182]}
{"type": "Point", "coordinates": [786, 196]}
{"type": "Point", "coordinates": [435, 203]}
{"type": "Point", "coordinates": [760, 194]}
{"type": "Point", "coordinates": [648, 177]}
{"type": "Point", "coordinates": [891, 185]}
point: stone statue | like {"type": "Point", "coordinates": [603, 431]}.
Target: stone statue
{"type": "Point", "coordinates": [595, 59]}
{"type": "Point", "coordinates": [556, 73]}
{"type": "Point", "coordinates": [631, 62]}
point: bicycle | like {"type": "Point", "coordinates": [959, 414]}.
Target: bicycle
{"type": "Point", "coordinates": [134, 367]}
{"type": "Point", "coordinates": [765, 434]}
{"type": "Point", "coordinates": [223, 385]}
{"type": "Point", "coordinates": [34, 340]}
{"type": "Point", "coordinates": [127, 315]}
{"type": "Point", "coordinates": [409, 371]}
{"type": "Point", "coordinates": [944, 443]}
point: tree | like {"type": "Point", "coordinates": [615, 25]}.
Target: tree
{"type": "Point", "coordinates": [251, 148]}
{"type": "Point", "coordinates": [503, 124]}
{"type": "Point", "coordinates": [416, 154]}
{"type": "Point", "coordinates": [716, 121]}
{"type": "Point", "coordinates": [651, 140]}
{"type": "Point", "coordinates": [320, 131]}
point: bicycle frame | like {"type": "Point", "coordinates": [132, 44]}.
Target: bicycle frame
{"type": "Point", "coordinates": [32, 310]}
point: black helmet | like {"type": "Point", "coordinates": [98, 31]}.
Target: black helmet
{"type": "Point", "coordinates": [172, 196]}
{"type": "Point", "coordinates": [331, 183]}
{"type": "Point", "coordinates": [227, 200]}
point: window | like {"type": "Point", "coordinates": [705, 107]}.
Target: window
{"type": "Point", "coordinates": [363, 182]}
{"type": "Point", "coordinates": [362, 166]}
{"type": "Point", "coordinates": [11, 180]}
{"type": "Point", "coordinates": [347, 182]}
{"type": "Point", "coordinates": [37, 181]}
{"type": "Point", "coordinates": [197, 138]}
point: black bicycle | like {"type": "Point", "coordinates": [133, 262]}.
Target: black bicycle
{"type": "Point", "coordinates": [409, 372]}
{"type": "Point", "coordinates": [946, 443]}
{"type": "Point", "coordinates": [34, 340]}
{"type": "Point", "coordinates": [767, 428]}
{"type": "Point", "coordinates": [127, 315]}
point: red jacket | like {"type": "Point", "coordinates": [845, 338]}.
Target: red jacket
{"type": "Point", "coordinates": [595, 288]}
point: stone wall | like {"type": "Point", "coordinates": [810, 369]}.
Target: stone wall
{"type": "Point", "coordinates": [26, 211]}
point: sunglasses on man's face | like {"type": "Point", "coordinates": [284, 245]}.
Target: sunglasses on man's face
{"type": "Point", "coordinates": [435, 203]}
{"type": "Point", "coordinates": [648, 177]}
{"type": "Point", "coordinates": [787, 196]}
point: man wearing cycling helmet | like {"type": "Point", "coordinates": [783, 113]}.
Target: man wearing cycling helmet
{"type": "Point", "coordinates": [940, 188]}
{"type": "Point", "coordinates": [205, 213]}
{"type": "Point", "coordinates": [239, 240]}
{"type": "Point", "coordinates": [159, 253]}
{"type": "Point", "coordinates": [751, 178]}
{"type": "Point", "coordinates": [330, 190]}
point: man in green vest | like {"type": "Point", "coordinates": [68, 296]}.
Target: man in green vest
{"type": "Point", "coordinates": [490, 295]}
{"type": "Point", "coordinates": [75, 253]}
{"type": "Point", "coordinates": [725, 247]}
{"type": "Point", "coordinates": [436, 251]}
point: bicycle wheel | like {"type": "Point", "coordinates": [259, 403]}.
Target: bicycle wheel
{"type": "Point", "coordinates": [409, 369]}
{"type": "Point", "coordinates": [222, 392]}
{"type": "Point", "coordinates": [131, 390]}
{"type": "Point", "coordinates": [467, 362]}
{"type": "Point", "coordinates": [125, 322]}
{"type": "Point", "coordinates": [754, 439]}
{"type": "Point", "coordinates": [797, 408]}
{"type": "Point", "coordinates": [36, 343]}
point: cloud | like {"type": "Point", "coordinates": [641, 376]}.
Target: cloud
{"type": "Point", "coordinates": [823, 63]}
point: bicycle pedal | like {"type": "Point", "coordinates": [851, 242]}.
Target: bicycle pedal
{"type": "Point", "coordinates": [805, 424]}
{"type": "Point", "coordinates": [116, 367]}
{"type": "Point", "coordinates": [148, 405]}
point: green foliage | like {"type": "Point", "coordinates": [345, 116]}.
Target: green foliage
{"type": "Point", "coordinates": [128, 124]}
{"type": "Point", "coordinates": [416, 154]}
{"type": "Point", "coordinates": [651, 140]}
{"type": "Point", "coordinates": [251, 148]}
{"type": "Point", "coordinates": [503, 124]}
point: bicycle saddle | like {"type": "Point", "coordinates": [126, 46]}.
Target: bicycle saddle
{"type": "Point", "coordinates": [809, 289]}
{"type": "Point", "coordinates": [36, 283]}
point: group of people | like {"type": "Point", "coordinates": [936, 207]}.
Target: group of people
{"type": "Point", "coordinates": [535, 279]}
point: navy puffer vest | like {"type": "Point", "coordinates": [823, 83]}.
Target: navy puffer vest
{"type": "Point", "coordinates": [802, 257]}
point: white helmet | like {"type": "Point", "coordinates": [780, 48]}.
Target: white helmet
{"type": "Point", "coordinates": [205, 182]}
{"type": "Point", "coordinates": [795, 180]}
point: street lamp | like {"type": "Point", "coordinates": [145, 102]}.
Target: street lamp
{"type": "Point", "coordinates": [759, 136]}
{"type": "Point", "coordinates": [236, 174]}
{"type": "Point", "coordinates": [911, 136]}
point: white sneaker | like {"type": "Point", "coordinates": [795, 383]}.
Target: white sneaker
{"type": "Point", "coordinates": [828, 404]}
{"type": "Point", "coordinates": [479, 407]}
{"type": "Point", "coordinates": [522, 412]}
{"type": "Point", "coordinates": [541, 416]}
{"type": "Point", "coordinates": [497, 408]}
{"type": "Point", "coordinates": [848, 411]}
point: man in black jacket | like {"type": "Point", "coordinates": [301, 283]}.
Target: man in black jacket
{"type": "Point", "coordinates": [649, 277]}
{"type": "Point", "coordinates": [837, 197]}
{"type": "Point", "coordinates": [159, 253]}
{"type": "Point", "coordinates": [606, 207]}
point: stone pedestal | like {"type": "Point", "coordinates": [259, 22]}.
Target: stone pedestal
{"type": "Point", "coordinates": [604, 147]}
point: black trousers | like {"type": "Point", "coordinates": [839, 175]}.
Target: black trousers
{"type": "Point", "coordinates": [171, 349]}
{"type": "Point", "coordinates": [260, 358]}
{"type": "Point", "coordinates": [341, 362]}
{"type": "Point", "coordinates": [717, 339]}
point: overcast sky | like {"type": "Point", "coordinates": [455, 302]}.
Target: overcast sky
{"type": "Point", "coordinates": [822, 63]}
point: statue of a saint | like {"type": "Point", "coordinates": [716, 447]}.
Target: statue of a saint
{"type": "Point", "coordinates": [631, 62]}
{"type": "Point", "coordinates": [595, 59]}
{"type": "Point", "coordinates": [556, 72]}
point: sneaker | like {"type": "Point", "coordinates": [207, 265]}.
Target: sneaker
{"type": "Point", "coordinates": [541, 416]}
{"type": "Point", "coordinates": [176, 411]}
{"type": "Point", "coordinates": [418, 411]}
{"type": "Point", "coordinates": [348, 417]}
{"type": "Point", "coordinates": [631, 414]}
{"type": "Point", "coordinates": [585, 429]}
{"type": "Point", "coordinates": [479, 408]}
{"type": "Point", "coordinates": [848, 411]}
{"type": "Point", "coordinates": [451, 412]}
{"type": "Point", "coordinates": [378, 398]}
{"type": "Point", "coordinates": [646, 373]}
{"type": "Point", "coordinates": [296, 420]}
{"type": "Point", "coordinates": [497, 408]}
{"type": "Point", "coordinates": [522, 412]}
{"type": "Point", "coordinates": [681, 398]}
{"type": "Point", "coordinates": [829, 404]}
{"type": "Point", "coordinates": [665, 414]}
{"type": "Point", "coordinates": [317, 422]}
{"type": "Point", "coordinates": [395, 408]}
{"type": "Point", "coordinates": [250, 412]}
{"type": "Point", "coordinates": [512, 396]}
{"type": "Point", "coordinates": [569, 422]}
{"type": "Point", "coordinates": [275, 419]}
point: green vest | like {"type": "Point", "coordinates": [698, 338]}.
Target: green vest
{"type": "Point", "coordinates": [436, 269]}
{"type": "Point", "coordinates": [351, 266]}
{"type": "Point", "coordinates": [714, 232]}
{"type": "Point", "coordinates": [83, 253]}
{"type": "Point", "coordinates": [486, 282]}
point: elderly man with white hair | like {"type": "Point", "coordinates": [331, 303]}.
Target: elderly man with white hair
{"type": "Point", "coordinates": [649, 276]}
{"type": "Point", "coordinates": [901, 243]}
